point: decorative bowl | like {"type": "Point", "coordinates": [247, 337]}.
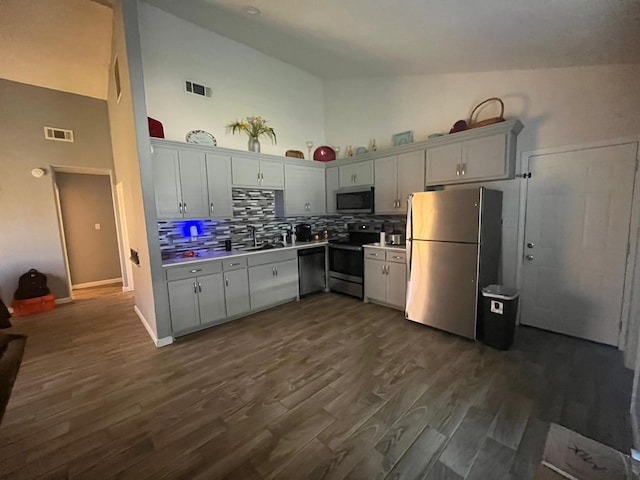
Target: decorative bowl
{"type": "Point", "coordinates": [324, 154]}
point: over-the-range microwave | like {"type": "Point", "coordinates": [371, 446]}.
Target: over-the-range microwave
{"type": "Point", "coordinates": [355, 200]}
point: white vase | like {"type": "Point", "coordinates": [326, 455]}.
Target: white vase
{"type": "Point", "coordinates": [254, 144]}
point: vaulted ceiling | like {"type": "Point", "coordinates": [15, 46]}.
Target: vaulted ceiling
{"type": "Point", "coordinates": [66, 44]}
{"type": "Point", "coordinates": [337, 38]}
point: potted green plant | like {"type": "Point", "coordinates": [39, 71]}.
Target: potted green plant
{"type": "Point", "coordinates": [253, 127]}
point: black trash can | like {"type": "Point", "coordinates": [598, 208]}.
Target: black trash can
{"type": "Point", "coordinates": [500, 306]}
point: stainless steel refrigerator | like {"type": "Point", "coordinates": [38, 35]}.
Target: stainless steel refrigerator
{"type": "Point", "coordinates": [453, 250]}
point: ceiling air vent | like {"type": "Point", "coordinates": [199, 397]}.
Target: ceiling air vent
{"type": "Point", "coordinates": [58, 134]}
{"type": "Point", "coordinates": [197, 89]}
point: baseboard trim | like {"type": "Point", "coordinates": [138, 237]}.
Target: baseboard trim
{"type": "Point", "coordinates": [159, 342]}
{"type": "Point", "coordinates": [127, 289]}
{"type": "Point", "coordinates": [60, 301]}
{"type": "Point", "coordinates": [99, 283]}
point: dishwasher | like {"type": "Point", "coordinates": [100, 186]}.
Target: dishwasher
{"type": "Point", "coordinates": [311, 270]}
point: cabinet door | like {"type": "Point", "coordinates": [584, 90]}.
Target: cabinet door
{"type": "Point", "coordinates": [262, 281]}
{"type": "Point", "coordinates": [286, 284]}
{"type": "Point", "coordinates": [410, 177]}
{"type": "Point", "coordinates": [346, 175]}
{"type": "Point", "coordinates": [295, 190]}
{"type": "Point", "coordinates": [316, 191]}
{"type": "Point", "coordinates": [396, 284]}
{"type": "Point", "coordinates": [332, 185]}
{"type": "Point", "coordinates": [244, 171]}
{"type": "Point", "coordinates": [273, 283]}
{"type": "Point", "coordinates": [443, 164]}
{"type": "Point", "coordinates": [166, 182]}
{"type": "Point", "coordinates": [211, 298]}
{"type": "Point", "coordinates": [272, 174]}
{"type": "Point", "coordinates": [193, 183]}
{"type": "Point", "coordinates": [364, 173]}
{"type": "Point", "coordinates": [386, 197]}
{"type": "Point", "coordinates": [236, 292]}
{"type": "Point", "coordinates": [183, 304]}
{"type": "Point", "coordinates": [219, 185]}
{"type": "Point", "coordinates": [485, 158]}
{"type": "Point", "coordinates": [374, 280]}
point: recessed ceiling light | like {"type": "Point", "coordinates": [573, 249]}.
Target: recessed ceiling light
{"type": "Point", "coordinates": [251, 10]}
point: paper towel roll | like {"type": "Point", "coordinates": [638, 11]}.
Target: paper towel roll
{"type": "Point", "coordinates": [382, 238]}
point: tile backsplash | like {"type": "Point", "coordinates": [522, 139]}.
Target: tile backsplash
{"type": "Point", "coordinates": [253, 208]}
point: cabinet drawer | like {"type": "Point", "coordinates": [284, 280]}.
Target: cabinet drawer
{"type": "Point", "coordinates": [396, 257]}
{"type": "Point", "coordinates": [271, 257]}
{"type": "Point", "coordinates": [374, 253]}
{"type": "Point", "coordinates": [234, 263]}
{"type": "Point", "coordinates": [195, 270]}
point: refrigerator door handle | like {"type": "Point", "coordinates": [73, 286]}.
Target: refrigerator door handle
{"type": "Point", "coordinates": [409, 236]}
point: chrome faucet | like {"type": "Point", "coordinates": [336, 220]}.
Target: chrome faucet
{"type": "Point", "coordinates": [252, 230]}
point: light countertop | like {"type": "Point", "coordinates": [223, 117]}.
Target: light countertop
{"type": "Point", "coordinates": [220, 254]}
{"type": "Point", "coordinates": [385, 247]}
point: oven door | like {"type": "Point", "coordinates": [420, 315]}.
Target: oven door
{"type": "Point", "coordinates": [355, 200]}
{"type": "Point", "coordinates": [346, 262]}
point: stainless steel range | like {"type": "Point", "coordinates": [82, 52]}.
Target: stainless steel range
{"type": "Point", "coordinates": [346, 258]}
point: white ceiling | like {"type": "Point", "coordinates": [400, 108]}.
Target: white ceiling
{"type": "Point", "coordinates": [59, 44]}
{"type": "Point", "coordinates": [343, 38]}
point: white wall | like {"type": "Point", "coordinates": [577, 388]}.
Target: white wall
{"type": "Point", "coordinates": [29, 229]}
{"type": "Point", "coordinates": [245, 82]}
{"type": "Point", "coordinates": [563, 106]}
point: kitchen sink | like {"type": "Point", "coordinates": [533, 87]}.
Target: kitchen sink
{"type": "Point", "coordinates": [264, 246]}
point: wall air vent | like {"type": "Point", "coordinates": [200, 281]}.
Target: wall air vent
{"type": "Point", "coordinates": [59, 134]}
{"type": "Point", "coordinates": [197, 89]}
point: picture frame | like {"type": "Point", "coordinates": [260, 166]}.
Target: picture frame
{"type": "Point", "coordinates": [402, 138]}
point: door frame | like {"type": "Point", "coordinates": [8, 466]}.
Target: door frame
{"type": "Point", "coordinates": [633, 228]}
{"type": "Point", "coordinates": [121, 253]}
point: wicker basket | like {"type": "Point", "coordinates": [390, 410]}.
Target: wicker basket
{"type": "Point", "coordinates": [488, 121]}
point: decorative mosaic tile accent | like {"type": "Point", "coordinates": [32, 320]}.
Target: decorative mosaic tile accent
{"type": "Point", "coordinates": [254, 208]}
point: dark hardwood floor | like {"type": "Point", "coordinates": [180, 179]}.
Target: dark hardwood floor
{"type": "Point", "coordinates": [324, 388]}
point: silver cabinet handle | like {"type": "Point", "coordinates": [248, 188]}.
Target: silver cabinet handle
{"type": "Point", "coordinates": [356, 177]}
{"type": "Point", "coordinates": [373, 254]}
{"type": "Point", "coordinates": [383, 269]}
{"type": "Point", "coordinates": [273, 271]}
{"type": "Point", "coordinates": [397, 257]}
{"type": "Point", "coordinates": [212, 209]}
{"type": "Point", "coordinates": [276, 271]}
{"type": "Point", "coordinates": [529, 257]}
{"type": "Point", "coordinates": [196, 270]}
{"type": "Point", "coordinates": [185, 207]}
{"type": "Point", "coordinates": [195, 288]}
{"type": "Point", "coordinates": [233, 264]}
{"type": "Point", "coordinates": [180, 207]}
{"type": "Point", "coordinates": [530, 245]}
{"type": "Point", "coordinates": [226, 281]}
{"type": "Point", "coordinates": [463, 168]}
{"type": "Point", "coordinates": [199, 287]}
{"type": "Point", "coordinates": [458, 170]}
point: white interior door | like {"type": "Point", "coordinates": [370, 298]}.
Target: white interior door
{"type": "Point", "coordinates": [576, 234]}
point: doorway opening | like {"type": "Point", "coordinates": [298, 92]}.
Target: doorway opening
{"type": "Point", "coordinates": [89, 231]}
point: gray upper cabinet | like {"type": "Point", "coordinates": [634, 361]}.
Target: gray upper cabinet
{"type": "Point", "coordinates": [331, 176]}
{"type": "Point", "coordinates": [180, 183]}
{"type": "Point", "coordinates": [484, 154]}
{"type": "Point", "coordinates": [396, 177]}
{"type": "Point", "coordinates": [304, 190]}
{"type": "Point", "coordinates": [356, 174]}
{"type": "Point", "coordinates": [255, 172]}
{"type": "Point", "coordinates": [219, 185]}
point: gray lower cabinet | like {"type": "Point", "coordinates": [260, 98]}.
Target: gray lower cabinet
{"type": "Point", "coordinates": [236, 292]}
{"type": "Point", "coordinates": [196, 301]}
{"type": "Point", "coordinates": [273, 283]}
{"type": "Point", "coordinates": [385, 277]}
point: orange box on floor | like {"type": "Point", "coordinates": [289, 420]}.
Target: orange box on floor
{"type": "Point", "coordinates": [30, 306]}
